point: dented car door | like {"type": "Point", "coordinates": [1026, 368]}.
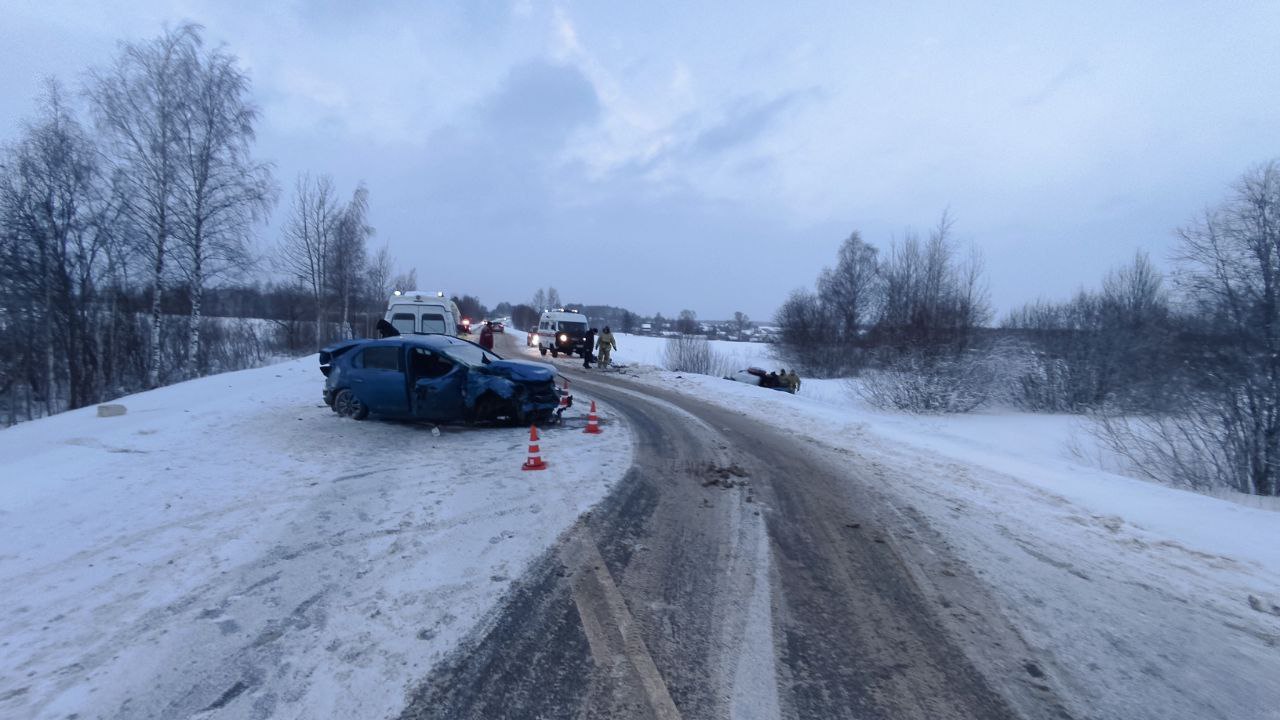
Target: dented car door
{"type": "Point", "coordinates": [438, 386]}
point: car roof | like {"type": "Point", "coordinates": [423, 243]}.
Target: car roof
{"type": "Point", "coordinates": [428, 341]}
{"type": "Point", "coordinates": [418, 300]}
{"type": "Point", "coordinates": [432, 342]}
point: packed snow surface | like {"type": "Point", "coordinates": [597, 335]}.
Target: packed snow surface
{"type": "Point", "coordinates": [231, 548]}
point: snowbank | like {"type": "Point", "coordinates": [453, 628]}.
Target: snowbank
{"type": "Point", "coordinates": [1150, 602]}
{"type": "Point", "coordinates": [231, 546]}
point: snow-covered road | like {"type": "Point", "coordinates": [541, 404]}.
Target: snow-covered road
{"type": "Point", "coordinates": [1144, 601]}
{"type": "Point", "coordinates": [231, 548]}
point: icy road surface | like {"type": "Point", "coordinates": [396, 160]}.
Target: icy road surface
{"type": "Point", "coordinates": [232, 549]}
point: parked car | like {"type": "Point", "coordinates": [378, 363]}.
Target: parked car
{"type": "Point", "coordinates": [437, 378]}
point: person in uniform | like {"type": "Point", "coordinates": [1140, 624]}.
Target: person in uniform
{"type": "Point", "coordinates": [605, 345]}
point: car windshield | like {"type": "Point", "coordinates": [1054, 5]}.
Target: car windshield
{"type": "Point", "coordinates": [469, 354]}
{"type": "Point", "coordinates": [577, 326]}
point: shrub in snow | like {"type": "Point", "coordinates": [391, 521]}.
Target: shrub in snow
{"type": "Point", "coordinates": [693, 354]}
{"type": "Point", "coordinates": [1206, 444]}
{"type": "Point", "coordinates": [919, 383]}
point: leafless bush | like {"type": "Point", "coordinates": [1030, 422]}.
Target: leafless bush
{"type": "Point", "coordinates": [1193, 448]}
{"type": "Point", "coordinates": [693, 354]}
{"type": "Point", "coordinates": [918, 383]}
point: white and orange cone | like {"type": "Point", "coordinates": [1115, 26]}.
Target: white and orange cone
{"type": "Point", "coordinates": [564, 397]}
{"type": "Point", "coordinates": [534, 461]}
{"type": "Point", "coordinates": [593, 423]}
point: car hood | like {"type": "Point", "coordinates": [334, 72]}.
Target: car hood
{"type": "Point", "coordinates": [519, 370]}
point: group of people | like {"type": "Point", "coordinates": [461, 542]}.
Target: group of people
{"type": "Point", "coordinates": [604, 344]}
{"type": "Point", "coordinates": [782, 380]}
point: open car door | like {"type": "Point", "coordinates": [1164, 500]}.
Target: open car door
{"type": "Point", "coordinates": [437, 386]}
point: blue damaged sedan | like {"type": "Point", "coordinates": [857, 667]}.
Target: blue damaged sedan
{"type": "Point", "coordinates": [437, 378]}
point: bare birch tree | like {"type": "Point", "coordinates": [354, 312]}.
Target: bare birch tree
{"type": "Point", "coordinates": [222, 191]}
{"type": "Point", "coordinates": [308, 235]}
{"type": "Point", "coordinates": [850, 288]}
{"type": "Point", "coordinates": [377, 277]}
{"type": "Point", "coordinates": [139, 102]}
{"type": "Point", "coordinates": [348, 254]}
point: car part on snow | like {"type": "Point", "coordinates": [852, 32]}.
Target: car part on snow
{"type": "Point", "coordinates": [111, 410]}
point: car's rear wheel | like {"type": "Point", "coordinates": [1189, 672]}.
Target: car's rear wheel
{"type": "Point", "coordinates": [361, 410]}
{"type": "Point", "coordinates": [555, 352]}
{"type": "Point", "coordinates": [346, 404]}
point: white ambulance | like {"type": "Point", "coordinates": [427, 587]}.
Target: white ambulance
{"type": "Point", "coordinates": [562, 331]}
{"type": "Point", "coordinates": [417, 312]}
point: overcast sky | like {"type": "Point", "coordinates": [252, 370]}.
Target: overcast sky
{"type": "Point", "coordinates": [660, 156]}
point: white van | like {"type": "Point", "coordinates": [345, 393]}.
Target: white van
{"type": "Point", "coordinates": [562, 331]}
{"type": "Point", "coordinates": [416, 312]}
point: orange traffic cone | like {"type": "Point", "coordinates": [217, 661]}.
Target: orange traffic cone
{"type": "Point", "coordinates": [534, 462]}
{"type": "Point", "coordinates": [593, 423]}
{"type": "Point", "coordinates": [564, 397]}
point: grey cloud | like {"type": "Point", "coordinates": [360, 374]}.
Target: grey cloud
{"type": "Point", "coordinates": [541, 102]}
{"type": "Point", "coordinates": [744, 121]}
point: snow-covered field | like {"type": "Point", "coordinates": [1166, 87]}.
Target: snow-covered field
{"type": "Point", "coordinates": [647, 350]}
{"type": "Point", "coordinates": [231, 548]}
{"type": "Point", "coordinates": [1152, 602]}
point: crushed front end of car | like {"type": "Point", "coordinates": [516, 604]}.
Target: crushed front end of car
{"type": "Point", "coordinates": [528, 390]}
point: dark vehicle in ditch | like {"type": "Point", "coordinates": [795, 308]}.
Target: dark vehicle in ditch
{"type": "Point", "coordinates": [437, 378]}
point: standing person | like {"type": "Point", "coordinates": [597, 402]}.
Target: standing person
{"type": "Point", "coordinates": [588, 344]}
{"type": "Point", "coordinates": [486, 336]}
{"type": "Point", "coordinates": [605, 345]}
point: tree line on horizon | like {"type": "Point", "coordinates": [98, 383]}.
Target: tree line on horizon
{"type": "Point", "coordinates": [1180, 374]}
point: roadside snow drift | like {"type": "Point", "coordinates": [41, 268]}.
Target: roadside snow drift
{"type": "Point", "coordinates": [231, 548]}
